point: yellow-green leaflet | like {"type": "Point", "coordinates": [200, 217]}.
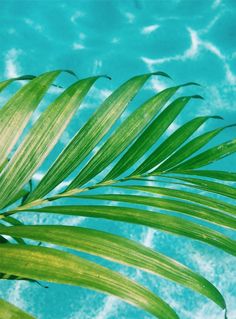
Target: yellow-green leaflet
{"type": "Point", "coordinates": [90, 134]}
{"type": "Point", "coordinates": [216, 174]}
{"type": "Point", "coordinates": [38, 143]}
{"type": "Point", "coordinates": [123, 137]}
{"type": "Point", "coordinates": [118, 249]}
{"type": "Point", "coordinates": [208, 186]}
{"type": "Point", "coordinates": [150, 136]}
{"type": "Point", "coordinates": [170, 145]}
{"type": "Point", "coordinates": [209, 156]}
{"type": "Point", "coordinates": [9, 311]}
{"type": "Point", "coordinates": [5, 83]}
{"type": "Point", "coordinates": [47, 264]}
{"type": "Point", "coordinates": [208, 214]}
{"type": "Point", "coordinates": [187, 150]}
{"type": "Point", "coordinates": [167, 223]}
{"type": "Point", "coordinates": [184, 195]}
{"type": "Point", "coordinates": [16, 113]}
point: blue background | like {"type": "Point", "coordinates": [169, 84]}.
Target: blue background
{"type": "Point", "coordinates": [190, 40]}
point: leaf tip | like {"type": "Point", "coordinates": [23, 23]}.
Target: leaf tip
{"type": "Point", "coordinates": [197, 97]}
{"type": "Point", "coordinates": [71, 72]}
{"type": "Point", "coordinates": [25, 77]}
{"type": "Point", "coordinates": [162, 74]}
{"type": "Point", "coordinates": [106, 76]}
{"type": "Point", "coordinates": [231, 125]}
{"type": "Point", "coordinates": [190, 83]}
{"type": "Point", "coordinates": [218, 117]}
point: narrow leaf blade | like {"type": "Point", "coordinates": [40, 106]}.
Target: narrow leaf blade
{"type": "Point", "coordinates": [9, 311]}
{"type": "Point", "coordinates": [149, 137]}
{"type": "Point", "coordinates": [38, 143]}
{"type": "Point", "coordinates": [209, 156]}
{"type": "Point", "coordinates": [171, 144]}
{"type": "Point", "coordinates": [196, 211]}
{"type": "Point", "coordinates": [175, 225]}
{"type": "Point", "coordinates": [4, 84]}
{"type": "Point", "coordinates": [16, 113]}
{"type": "Point", "coordinates": [186, 196]}
{"type": "Point", "coordinates": [90, 134]}
{"type": "Point", "coordinates": [208, 186]}
{"type": "Point", "coordinates": [52, 265]}
{"type": "Point", "coordinates": [122, 137]}
{"type": "Point", "coordinates": [215, 174]}
{"type": "Point", "coordinates": [118, 249]}
{"type": "Point", "coordinates": [187, 150]}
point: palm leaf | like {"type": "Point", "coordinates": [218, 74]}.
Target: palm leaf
{"type": "Point", "coordinates": [130, 143]}
{"type": "Point", "coordinates": [13, 221]}
{"type": "Point", "coordinates": [126, 134]}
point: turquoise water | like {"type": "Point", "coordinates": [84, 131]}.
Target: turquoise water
{"type": "Point", "coordinates": [190, 40]}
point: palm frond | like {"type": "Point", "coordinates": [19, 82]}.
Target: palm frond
{"type": "Point", "coordinates": [132, 153]}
